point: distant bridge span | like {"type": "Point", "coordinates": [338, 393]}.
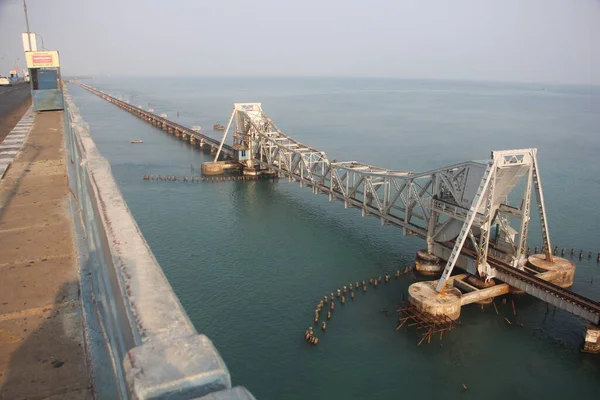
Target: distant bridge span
{"type": "Point", "coordinates": [163, 122]}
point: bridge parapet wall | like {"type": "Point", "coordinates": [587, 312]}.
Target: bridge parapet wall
{"type": "Point", "coordinates": [143, 332]}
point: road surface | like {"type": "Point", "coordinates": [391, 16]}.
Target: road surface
{"type": "Point", "coordinates": [14, 101]}
{"type": "Point", "coordinates": [42, 342]}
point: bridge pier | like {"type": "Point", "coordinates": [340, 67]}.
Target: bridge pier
{"type": "Point", "coordinates": [560, 271]}
{"type": "Point", "coordinates": [460, 291]}
{"type": "Point", "coordinates": [219, 167]}
{"type": "Point", "coordinates": [591, 342]}
{"type": "Point", "coordinates": [427, 264]}
{"type": "Point", "coordinates": [212, 168]}
{"type": "Point", "coordinates": [427, 300]}
{"type": "Point", "coordinates": [251, 172]}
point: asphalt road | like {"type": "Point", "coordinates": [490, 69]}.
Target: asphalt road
{"type": "Point", "coordinates": [14, 101]}
{"type": "Point", "coordinates": [13, 96]}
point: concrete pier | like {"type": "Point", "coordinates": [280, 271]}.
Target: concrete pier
{"type": "Point", "coordinates": [219, 167]}
{"type": "Point", "coordinates": [591, 342]}
{"type": "Point", "coordinates": [212, 168]}
{"type": "Point", "coordinates": [560, 271]}
{"type": "Point", "coordinates": [425, 298]}
{"type": "Point", "coordinates": [474, 293]}
{"type": "Point", "coordinates": [427, 264]}
{"type": "Point", "coordinates": [466, 289]}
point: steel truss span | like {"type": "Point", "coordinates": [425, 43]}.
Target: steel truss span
{"type": "Point", "coordinates": [464, 204]}
{"type": "Point", "coordinates": [465, 212]}
{"type": "Point", "coordinates": [474, 214]}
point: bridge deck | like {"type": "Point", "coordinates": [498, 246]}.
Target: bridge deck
{"type": "Point", "coordinates": [564, 299]}
{"type": "Point", "coordinates": [139, 112]}
{"type": "Point", "coordinates": [548, 292]}
{"type": "Point", "coordinates": [42, 343]}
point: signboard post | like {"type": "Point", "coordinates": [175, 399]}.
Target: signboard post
{"type": "Point", "coordinates": [29, 38]}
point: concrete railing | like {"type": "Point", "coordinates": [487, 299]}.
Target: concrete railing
{"type": "Point", "coordinates": [141, 343]}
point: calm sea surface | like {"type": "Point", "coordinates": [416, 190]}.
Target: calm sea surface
{"type": "Point", "coordinates": [250, 260]}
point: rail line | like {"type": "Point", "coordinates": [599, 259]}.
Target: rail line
{"type": "Point", "coordinates": [590, 308]}
{"type": "Point", "coordinates": [587, 308]}
{"type": "Point", "coordinates": [162, 122]}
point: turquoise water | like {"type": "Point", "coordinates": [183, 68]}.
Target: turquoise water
{"type": "Point", "coordinates": [250, 260]}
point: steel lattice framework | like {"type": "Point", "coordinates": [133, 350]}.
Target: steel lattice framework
{"type": "Point", "coordinates": [450, 207]}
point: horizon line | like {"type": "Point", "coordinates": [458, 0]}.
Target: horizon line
{"type": "Point", "coordinates": [474, 80]}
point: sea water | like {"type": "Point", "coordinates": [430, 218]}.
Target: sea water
{"type": "Point", "coordinates": [250, 260]}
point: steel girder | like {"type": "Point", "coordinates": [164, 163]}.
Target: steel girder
{"type": "Point", "coordinates": [422, 204]}
{"type": "Point", "coordinates": [502, 175]}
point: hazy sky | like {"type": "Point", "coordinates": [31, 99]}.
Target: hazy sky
{"type": "Point", "coordinates": [555, 41]}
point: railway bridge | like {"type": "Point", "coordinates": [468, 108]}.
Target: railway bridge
{"type": "Point", "coordinates": [194, 137]}
{"type": "Point", "coordinates": [465, 213]}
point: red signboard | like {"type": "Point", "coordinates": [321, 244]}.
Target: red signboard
{"type": "Point", "coordinates": [42, 58]}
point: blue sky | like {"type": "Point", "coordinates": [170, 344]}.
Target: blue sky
{"type": "Point", "coordinates": [554, 41]}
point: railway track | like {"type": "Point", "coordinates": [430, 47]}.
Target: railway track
{"type": "Point", "coordinates": [548, 287]}
{"type": "Point", "coordinates": [137, 111]}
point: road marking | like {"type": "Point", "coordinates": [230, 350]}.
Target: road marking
{"type": "Point", "coordinates": [14, 141]}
